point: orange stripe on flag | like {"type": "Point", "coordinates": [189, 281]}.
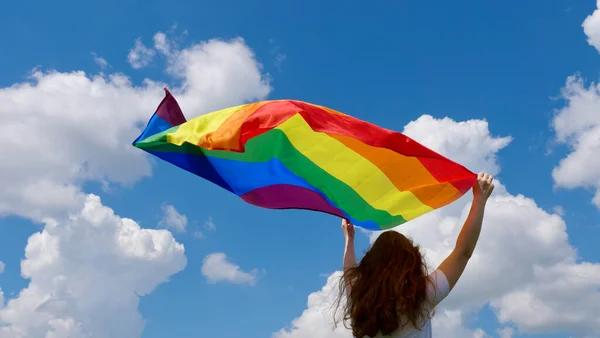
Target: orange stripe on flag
{"type": "Point", "coordinates": [406, 173]}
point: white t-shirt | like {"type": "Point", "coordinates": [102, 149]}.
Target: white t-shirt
{"type": "Point", "coordinates": [437, 290]}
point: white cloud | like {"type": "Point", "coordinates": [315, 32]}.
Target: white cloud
{"type": "Point", "coordinates": [209, 225]}
{"type": "Point", "coordinates": [559, 210]}
{"type": "Point", "coordinates": [475, 149]}
{"type": "Point", "coordinates": [239, 78]}
{"type": "Point", "coordinates": [86, 274]}
{"type": "Point", "coordinates": [1, 267]}
{"type": "Point", "coordinates": [216, 268]}
{"type": "Point", "coordinates": [523, 253]}
{"type": "Point", "coordinates": [63, 129]}
{"type": "Point", "coordinates": [60, 130]}
{"type": "Point", "coordinates": [162, 43]}
{"type": "Point", "coordinates": [591, 27]}
{"type": "Point", "coordinates": [173, 219]}
{"type": "Point", "coordinates": [140, 56]}
{"type": "Point", "coordinates": [547, 303]}
{"type": "Point", "coordinates": [506, 332]}
{"type": "Point", "coordinates": [317, 320]}
{"type": "Point", "coordinates": [451, 323]}
{"type": "Point", "coordinates": [100, 61]}
{"type": "Point", "coordinates": [577, 124]}
{"type": "Point", "coordinates": [479, 333]}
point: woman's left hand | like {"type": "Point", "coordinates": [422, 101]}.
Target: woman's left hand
{"type": "Point", "coordinates": [348, 229]}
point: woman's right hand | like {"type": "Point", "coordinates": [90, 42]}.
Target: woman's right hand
{"type": "Point", "coordinates": [348, 230]}
{"type": "Point", "coordinates": [484, 187]}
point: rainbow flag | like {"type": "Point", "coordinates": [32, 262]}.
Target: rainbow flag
{"type": "Point", "coordinates": [287, 154]}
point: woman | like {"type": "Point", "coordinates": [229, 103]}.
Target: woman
{"type": "Point", "coordinates": [390, 294]}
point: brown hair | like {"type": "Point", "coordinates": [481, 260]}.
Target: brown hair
{"type": "Point", "coordinates": [387, 290]}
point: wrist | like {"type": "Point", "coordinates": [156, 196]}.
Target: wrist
{"type": "Point", "coordinates": [479, 201]}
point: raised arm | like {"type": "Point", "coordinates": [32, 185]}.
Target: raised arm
{"type": "Point", "coordinates": [349, 254]}
{"type": "Point", "coordinates": [454, 265]}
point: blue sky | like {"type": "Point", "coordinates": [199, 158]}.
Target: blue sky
{"type": "Point", "coordinates": [504, 62]}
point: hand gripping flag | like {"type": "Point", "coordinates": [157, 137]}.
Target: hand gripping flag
{"type": "Point", "coordinates": [287, 154]}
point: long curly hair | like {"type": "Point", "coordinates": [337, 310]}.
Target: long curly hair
{"type": "Point", "coordinates": [387, 290]}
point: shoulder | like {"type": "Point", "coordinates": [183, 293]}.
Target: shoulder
{"type": "Point", "coordinates": [438, 287]}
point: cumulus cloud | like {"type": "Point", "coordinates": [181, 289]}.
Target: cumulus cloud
{"type": "Point", "coordinates": [197, 65]}
{"type": "Point", "coordinates": [317, 320]}
{"type": "Point", "coordinates": [577, 125]}
{"type": "Point", "coordinates": [60, 130]}
{"type": "Point", "coordinates": [506, 332]}
{"type": "Point", "coordinates": [86, 274]}
{"type": "Point", "coordinates": [591, 27]}
{"type": "Point", "coordinates": [524, 266]}
{"type": "Point", "coordinates": [173, 219]}
{"type": "Point", "coordinates": [140, 56]}
{"type": "Point", "coordinates": [476, 149]}
{"type": "Point", "coordinates": [2, 267]}
{"type": "Point", "coordinates": [162, 43]}
{"type": "Point", "coordinates": [216, 268]}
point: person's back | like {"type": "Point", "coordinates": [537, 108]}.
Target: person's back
{"type": "Point", "coordinates": [437, 289]}
{"type": "Point", "coordinates": [390, 294]}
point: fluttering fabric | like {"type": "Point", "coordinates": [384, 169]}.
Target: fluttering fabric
{"type": "Point", "coordinates": [287, 154]}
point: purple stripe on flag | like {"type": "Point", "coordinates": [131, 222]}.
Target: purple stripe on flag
{"type": "Point", "coordinates": [285, 196]}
